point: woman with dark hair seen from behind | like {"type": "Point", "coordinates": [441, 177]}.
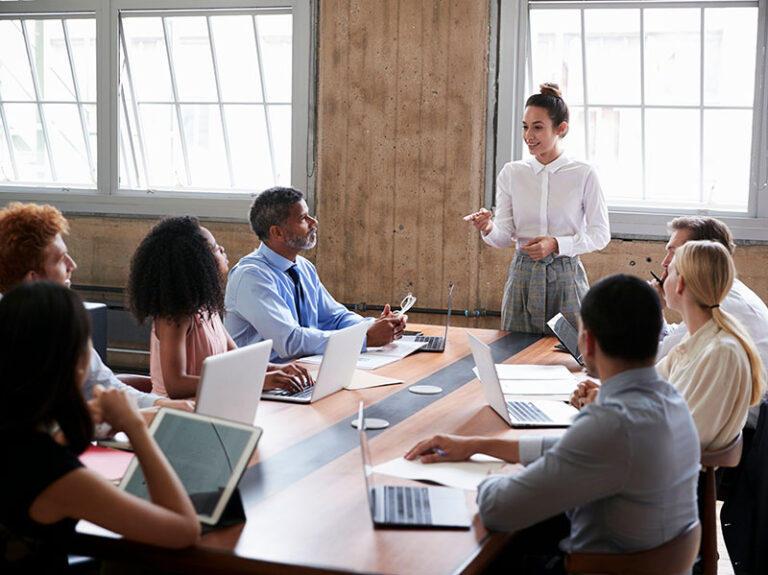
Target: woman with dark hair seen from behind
{"type": "Point", "coordinates": [177, 278]}
{"type": "Point", "coordinates": [553, 208]}
{"type": "Point", "coordinates": [44, 356]}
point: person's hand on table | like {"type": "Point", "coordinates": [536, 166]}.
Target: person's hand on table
{"type": "Point", "coordinates": [540, 247]}
{"type": "Point", "coordinates": [584, 394]}
{"type": "Point", "coordinates": [297, 371]}
{"type": "Point", "coordinates": [441, 448]}
{"type": "Point", "coordinates": [481, 219]}
{"type": "Point", "coordinates": [283, 379]}
{"type": "Point", "coordinates": [386, 329]}
{"type": "Point", "coordinates": [182, 404]}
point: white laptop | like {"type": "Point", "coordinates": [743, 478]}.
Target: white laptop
{"type": "Point", "coordinates": [336, 369]}
{"type": "Point", "coordinates": [411, 506]}
{"type": "Point", "coordinates": [208, 454]}
{"type": "Point", "coordinates": [231, 383]}
{"type": "Point", "coordinates": [517, 413]}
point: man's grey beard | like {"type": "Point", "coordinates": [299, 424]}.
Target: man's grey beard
{"type": "Point", "coordinates": [304, 243]}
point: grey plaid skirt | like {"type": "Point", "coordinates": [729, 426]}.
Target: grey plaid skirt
{"type": "Point", "coordinates": [537, 290]}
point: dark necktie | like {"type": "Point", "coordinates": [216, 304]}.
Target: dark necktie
{"type": "Point", "coordinates": [291, 271]}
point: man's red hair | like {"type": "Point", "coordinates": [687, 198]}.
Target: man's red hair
{"type": "Point", "coordinates": [25, 231]}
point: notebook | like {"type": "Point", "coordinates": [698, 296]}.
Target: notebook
{"type": "Point", "coordinates": [208, 454]}
{"type": "Point", "coordinates": [567, 335]}
{"type": "Point", "coordinates": [436, 343]}
{"type": "Point", "coordinates": [231, 383]}
{"type": "Point", "coordinates": [517, 413]}
{"type": "Point", "coordinates": [408, 506]}
{"type": "Point", "coordinates": [336, 369]}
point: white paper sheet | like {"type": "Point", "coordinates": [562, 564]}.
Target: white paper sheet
{"type": "Point", "coordinates": [461, 474]}
{"type": "Point", "coordinates": [529, 372]}
{"type": "Point", "coordinates": [562, 388]}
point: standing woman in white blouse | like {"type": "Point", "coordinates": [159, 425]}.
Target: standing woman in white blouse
{"type": "Point", "coordinates": [554, 209]}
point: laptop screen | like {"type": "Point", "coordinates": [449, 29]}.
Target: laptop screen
{"type": "Point", "coordinates": [208, 454]}
{"type": "Point", "coordinates": [567, 335]}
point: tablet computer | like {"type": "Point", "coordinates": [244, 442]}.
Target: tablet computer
{"type": "Point", "coordinates": [208, 454]}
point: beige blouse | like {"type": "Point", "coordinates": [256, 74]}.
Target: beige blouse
{"type": "Point", "coordinates": [711, 370]}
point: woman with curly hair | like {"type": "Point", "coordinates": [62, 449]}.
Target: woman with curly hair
{"type": "Point", "coordinates": [176, 278]}
{"type": "Point", "coordinates": [45, 423]}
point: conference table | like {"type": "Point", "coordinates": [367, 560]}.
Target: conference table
{"type": "Point", "coordinates": [304, 490]}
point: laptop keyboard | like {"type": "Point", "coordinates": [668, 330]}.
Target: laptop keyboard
{"type": "Point", "coordinates": [434, 342]}
{"type": "Point", "coordinates": [306, 392]}
{"type": "Point", "coordinates": [407, 505]}
{"type": "Point", "coordinates": [526, 411]}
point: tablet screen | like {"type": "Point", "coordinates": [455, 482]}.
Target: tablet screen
{"type": "Point", "coordinates": [208, 454]}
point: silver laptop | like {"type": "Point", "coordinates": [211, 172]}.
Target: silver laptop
{"type": "Point", "coordinates": [231, 383]}
{"type": "Point", "coordinates": [517, 413]}
{"type": "Point", "coordinates": [208, 454]}
{"type": "Point", "coordinates": [408, 506]}
{"type": "Point", "coordinates": [336, 369]}
{"type": "Point", "coordinates": [567, 335]}
{"type": "Point", "coordinates": [436, 343]}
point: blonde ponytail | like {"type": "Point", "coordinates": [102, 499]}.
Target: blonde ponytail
{"type": "Point", "coordinates": [708, 271]}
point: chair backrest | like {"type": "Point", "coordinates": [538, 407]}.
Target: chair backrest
{"type": "Point", "coordinates": [728, 456]}
{"type": "Point", "coordinates": [671, 558]}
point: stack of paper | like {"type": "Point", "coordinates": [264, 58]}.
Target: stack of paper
{"type": "Point", "coordinates": [379, 356]}
{"type": "Point", "coordinates": [461, 474]}
{"type": "Point", "coordinates": [536, 381]}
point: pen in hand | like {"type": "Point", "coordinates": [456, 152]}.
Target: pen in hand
{"type": "Point", "coordinates": [439, 451]}
{"type": "Point", "coordinates": [657, 278]}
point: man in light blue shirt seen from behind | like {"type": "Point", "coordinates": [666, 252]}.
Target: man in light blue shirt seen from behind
{"type": "Point", "coordinates": [275, 293]}
{"type": "Point", "coordinates": [625, 472]}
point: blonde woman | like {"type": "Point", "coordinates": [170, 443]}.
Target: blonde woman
{"type": "Point", "coordinates": [716, 366]}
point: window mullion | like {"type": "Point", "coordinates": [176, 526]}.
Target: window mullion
{"type": "Point", "coordinates": [642, 104]}
{"type": "Point", "coordinates": [8, 140]}
{"type": "Point", "coordinates": [174, 87]}
{"type": "Point", "coordinates": [134, 107]}
{"type": "Point", "coordinates": [78, 99]}
{"type": "Point", "coordinates": [701, 106]}
{"type": "Point", "coordinates": [584, 84]}
{"type": "Point", "coordinates": [264, 98]}
{"type": "Point", "coordinates": [40, 111]}
{"type": "Point", "coordinates": [224, 130]}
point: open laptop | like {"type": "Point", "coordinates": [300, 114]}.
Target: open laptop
{"type": "Point", "coordinates": [437, 342]}
{"type": "Point", "coordinates": [208, 454]}
{"type": "Point", "coordinates": [517, 413]}
{"type": "Point", "coordinates": [336, 369]}
{"type": "Point", "coordinates": [567, 335]}
{"type": "Point", "coordinates": [231, 383]}
{"type": "Point", "coordinates": [409, 506]}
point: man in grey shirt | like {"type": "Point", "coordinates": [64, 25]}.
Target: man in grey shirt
{"type": "Point", "coordinates": [625, 472]}
{"type": "Point", "coordinates": [32, 248]}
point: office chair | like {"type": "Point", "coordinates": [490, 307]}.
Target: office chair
{"type": "Point", "coordinates": [671, 558]}
{"type": "Point", "coordinates": [728, 456]}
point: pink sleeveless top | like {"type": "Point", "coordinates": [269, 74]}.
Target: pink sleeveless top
{"type": "Point", "coordinates": [205, 337]}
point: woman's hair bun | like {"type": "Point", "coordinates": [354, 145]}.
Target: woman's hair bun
{"type": "Point", "coordinates": [550, 89]}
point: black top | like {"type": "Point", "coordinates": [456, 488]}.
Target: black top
{"type": "Point", "coordinates": [31, 462]}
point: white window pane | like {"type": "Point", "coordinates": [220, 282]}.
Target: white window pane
{"type": "Point", "coordinates": [82, 37]}
{"type": "Point", "coordinates": [67, 143]}
{"type": "Point", "coordinates": [236, 58]}
{"type": "Point", "coordinates": [251, 163]}
{"type": "Point", "coordinates": [49, 57]}
{"type": "Point", "coordinates": [574, 142]}
{"type": "Point", "coordinates": [205, 144]}
{"type": "Point", "coordinates": [276, 37]}
{"type": "Point", "coordinates": [129, 171]}
{"type": "Point", "coordinates": [148, 59]}
{"type": "Point", "coordinates": [89, 113]}
{"type": "Point", "coordinates": [672, 157]}
{"type": "Point", "coordinates": [192, 63]}
{"type": "Point", "coordinates": [613, 56]}
{"type": "Point", "coordinates": [6, 166]}
{"type": "Point", "coordinates": [729, 56]}
{"type": "Point", "coordinates": [28, 142]}
{"type": "Point", "coordinates": [15, 76]}
{"type": "Point", "coordinates": [616, 149]}
{"type": "Point", "coordinates": [556, 52]}
{"type": "Point", "coordinates": [727, 152]}
{"type": "Point", "coordinates": [672, 56]}
{"type": "Point", "coordinates": [280, 118]}
{"type": "Point", "coordinates": [162, 146]}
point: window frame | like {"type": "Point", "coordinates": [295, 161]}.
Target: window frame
{"type": "Point", "coordinates": [107, 199]}
{"type": "Point", "coordinates": [511, 41]}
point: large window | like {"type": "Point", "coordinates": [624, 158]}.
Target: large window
{"type": "Point", "coordinates": [147, 106]}
{"type": "Point", "coordinates": [664, 101]}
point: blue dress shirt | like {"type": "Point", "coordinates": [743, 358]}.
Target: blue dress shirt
{"type": "Point", "coordinates": [261, 304]}
{"type": "Point", "coordinates": [625, 472]}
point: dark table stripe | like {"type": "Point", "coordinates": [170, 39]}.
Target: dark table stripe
{"type": "Point", "coordinates": [294, 463]}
